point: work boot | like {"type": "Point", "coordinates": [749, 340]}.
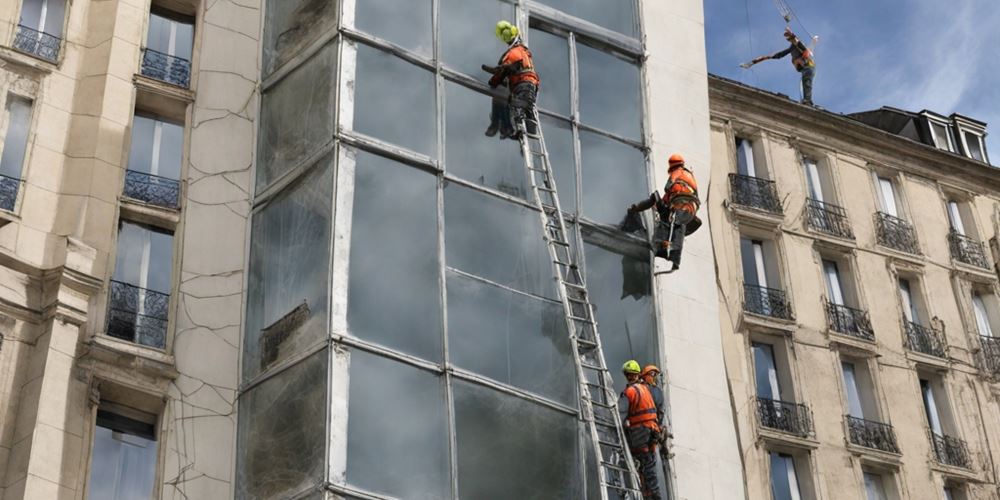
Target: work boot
{"type": "Point", "coordinates": [492, 130]}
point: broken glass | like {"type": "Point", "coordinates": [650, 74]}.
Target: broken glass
{"type": "Point", "coordinates": [614, 177]}
{"type": "Point", "coordinates": [281, 432]}
{"type": "Point", "coordinates": [291, 25]}
{"type": "Point", "coordinates": [394, 101]}
{"type": "Point", "coordinates": [289, 259]}
{"type": "Point", "coordinates": [610, 98]}
{"type": "Point", "coordinates": [560, 145]}
{"type": "Point", "coordinates": [297, 116]}
{"type": "Point", "coordinates": [406, 23]}
{"type": "Point", "coordinates": [465, 27]}
{"type": "Point", "coordinates": [615, 15]}
{"type": "Point", "coordinates": [397, 435]}
{"type": "Point", "coordinates": [551, 57]}
{"type": "Point", "coordinates": [393, 295]}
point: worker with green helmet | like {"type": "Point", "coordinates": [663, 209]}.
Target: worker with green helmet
{"type": "Point", "coordinates": [516, 70]}
{"type": "Point", "coordinates": [641, 427]}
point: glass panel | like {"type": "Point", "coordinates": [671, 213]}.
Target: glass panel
{"type": "Point", "coordinates": [614, 177]}
{"type": "Point", "coordinates": [511, 448]}
{"type": "Point", "coordinates": [31, 13]}
{"type": "Point", "coordinates": [744, 158]}
{"type": "Point", "coordinates": [416, 464]}
{"type": "Point", "coordinates": [748, 261]}
{"type": "Point", "coordinates": [394, 101]}
{"type": "Point", "coordinates": [982, 316]}
{"type": "Point", "coordinates": [406, 23]}
{"type": "Point", "coordinates": [123, 460]}
{"type": "Point", "coordinates": [289, 260]}
{"type": "Point", "coordinates": [393, 296]}
{"type": "Point", "coordinates": [955, 217]}
{"type": "Point", "coordinates": [851, 386]}
{"type": "Point", "coordinates": [297, 116]}
{"type": "Point", "coordinates": [941, 136]}
{"type": "Point", "coordinates": [833, 286]}
{"type": "Point", "coordinates": [506, 336]}
{"type": "Point", "coordinates": [561, 147]}
{"type": "Point", "coordinates": [766, 371]}
{"type": "Point", "coordinates": [930, 406]}
{"type": "Point", "coordinates": [888, 196]}
{"type": "Point", "coordinates": [780, 487]}
{"type": "Point", "coordinates": [291, 25]}
{"type": "Point", "coordinates": [156, 147]}
{"type": "Point", "coordinates": [466, 34]}
{"type": "Point", "coordinates": [281, 432]}
{"type": "Point", "coordinates": [617, 15]}
{"type": "Point", "coordinates": [975, 146]}
{"type": "Point", "coordinates": [609, 92]}
{"type": "Point", "coordinates": [813, 179]}
{"type": "Point", "coordinates": [874, 489]}
{"type": "Point", "coordinates": [170, 35]}
{"type": "Point", "coordinates": [551, 54]}
{"type": "Point", "coordinates": [15, 143]}
{"type": "Point", "coordinates": [145, 257]}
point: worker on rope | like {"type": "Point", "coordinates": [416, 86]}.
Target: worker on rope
{"type": "Point", "coordinates": [651, 377]}
{"type": "Point", "coordinates": [802, 59]}
{"type": "Point", "coordinates": [641, 428]}
{"type": "Point", "coordinates": [517, 70]}
{"type": "Point", "coordinates": [677, 210]}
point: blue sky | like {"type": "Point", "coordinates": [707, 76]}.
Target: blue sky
{"type": "Point", "coordinates": [941, 55]}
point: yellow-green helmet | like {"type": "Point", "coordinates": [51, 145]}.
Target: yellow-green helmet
{"type": "Point", "coordinates": [631, 367]}
{"type": "Point", "coordinates": [506, 32]}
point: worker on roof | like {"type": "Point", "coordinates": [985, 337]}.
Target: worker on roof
{"type": "Point", "coordinates": [677, 210]}
{"type": "Point", "coordinates": [516, 70]}
{"type": "Point", "coordinates": [641, 428]}
{"type": "Point", "coordinates": [802, 59]}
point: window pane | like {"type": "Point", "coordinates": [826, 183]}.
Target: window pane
{"type": "Point", "coordinates": [551, 54]}
{"type": "Point", "coordinates": [617, 15]}
{"type": "Point", "coordinates": [297, 116]}
{"type": "Point", "coordinates": [609, 92]}
{"type": "Point", "coordinates": [466, 29]}
{"type": "Point", "coordinates": [15, 143]}
{"type": "Point", "coordinates": [511, 448]}
{"type": "Point", "coordinates": [170, 36]}
{"type": "Point", "coordinates": [291, 25]}
{"type": "Point", "coordinates": [145, 257]}
{"type": "Point", "coordinates": [766, 371]}
{"type": "Point", "coordinates": [54, 17]}
{"type": "Point", "coordinates": [560, 145]}
{"type": "Point", "coordinates": [614, 177]}
{"type": "Point", "coordinates": [156, 147]}
{"type": "Point", "coordinates": [853, 394]}
{"type": "Point", "coordinates": [874, 487]}
{"type": "Point", "coordinates": [393, 296]}
{"type": "Point", "coordinates": [975, 146]}
{"type": "Point", "coordinates": [31, 13]}
{"type": "Point", "coordinates": [289, 258]}
{"type": "Point", "coordinates": [402, 457]}
{"type": "Point", "coordinates": [282, 432]}
{"type": "Point", "coordinates": [406, 23]}
{"type": "Point", "coordinates": [123, 461]}
{"type": "Point", "coordinates": [780, 487]}
{"type": "Point", "coordinates": [394, 101]}
{"type": "Point", "coordinates": [506, 336]}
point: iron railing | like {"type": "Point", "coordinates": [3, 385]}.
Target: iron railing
{"type": "Point", "coordinates": [896, 233]}
{"type": "Point", "coordinates": [967, 250]}
{"type": "Point", "coordinates": [138, 315]}
{"type": "Point", "coordinates": [922, 339]}
{"type": "Point", "coordinates": [849, 321]}
{"type": "Point", "coordinates": [755, 193]}
{"type": "Point", "coordinates": [153, 189]}
{"type": "Point", "coordinates": [871, 434]}
{"type": "Point", "coordinates": [165, 67]}
{"type": "Point", "coordinates": [9, 187]}
{"type": "Point", "coordinates": [829, 219]}
{"type": "Point", "coordinates": [37, 43]}
{"type": "Point", "coordinates": [766, 302]}
{"type": "Point", "coordinates": [990, 354]}
{"type": "Point", "coordinates": [951, 451]}
{"type": "Point", "coordinates": [784, 416]}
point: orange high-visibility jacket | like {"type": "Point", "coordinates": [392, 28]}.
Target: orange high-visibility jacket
{"type": "Point", "coordinates": [520, 57]}
{"type": "Point", "coordinates": [681, 191]}
{"type": "Point", "coordinates": [641, 406]}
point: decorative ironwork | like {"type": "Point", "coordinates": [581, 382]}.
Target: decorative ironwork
{"type": "Point", "coordinates": [165, 67]}
{"type": "Point", "coordinates": [829, 219]}
{"type": "Point", "coordinates": [990, 354]}
{"type": "Point", "coordinates": [153, 189]}
{"type": "Point", "coordinates": [138, 315]}
{"type": "Point", "coordinates": [9, 187]}
{"type": "Point", "coordinates": [849, 321]}
{"type": "Point", "coordinates": [755, 193]}
{"type": "Point", "coordinates": [924, 340]}
{"type": "Point", "coordinates": [967, 250]}
{"type": "Point", "coordinates": [784, 416]}
{"type": "Point", "coordinates": [37, 43]}
{"type": "Point", "coordinates": [766, 302]}
{"type": "Point", "coordinates": [951, 451]}
{"type": "Point", "coordinates": [871, 434]}
{"type": "Point", "coordinates": [896, 233]}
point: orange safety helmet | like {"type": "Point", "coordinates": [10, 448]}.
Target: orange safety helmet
{"type": "Point", "coordinates": [676, 160]}
{"type": "Point", "coordinates": [649, 370]}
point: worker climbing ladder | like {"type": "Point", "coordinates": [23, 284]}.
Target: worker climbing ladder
{"type": "Point", "coordinates": [598, 399]}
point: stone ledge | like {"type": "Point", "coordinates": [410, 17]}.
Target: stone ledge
{"type": "Point", "coordinates": [27, 60]}
{"type": "Point", "coordinates": [752, 216]}
{"type": "Point", "coordinates": [164, 89]}
{"type": "Point", "coordinates": [778, 438]}
{"type": "Point", "coordinates": [147, 361]}
{"type": "Point", "coordinates": [874, 456]}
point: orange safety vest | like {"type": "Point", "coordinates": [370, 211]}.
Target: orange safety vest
{"type": "Point", "coordinates": [805, 60]}
{"type": "Point", "coordinates": [681, 191]}
{"type": "Point", "coordinates": [527, 73]}
{"type": "Point", "coordinates": [641, 406]}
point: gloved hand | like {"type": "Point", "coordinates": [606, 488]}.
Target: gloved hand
{"type": "Point", "coordinates": [490, 69]}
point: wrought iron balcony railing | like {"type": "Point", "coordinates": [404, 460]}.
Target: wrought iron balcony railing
{"type": "Point", "coordinates": [754, 193]}
{"type": "Point", "coordinates": [153, 189]}
{"type": "Point", "coordinates": [849, 321]}
{"type": "Point", "coordinates": [922, 339]}
{"type": "Point", "coordinates": [990, 354]}
{"type": "Point", "coordinates": [871, 434]}
{"type": "Point", "coordinates": [967, 250]}
{"type": "Point", "coordinates": [896, 233]}
{"type": "Point", "coordinates": [784, 416]}
{"type": "Point", "coordinates": [37, 43]}
{"type": "Point", "coordinates": [165, 67]}
{"type": "Point", "coordinates": [9, 187]}
{"type": "Point", "coordinates": [766, 302]}
{"type": "Point", "coordinates": [829, 219]}
{"type": "Point", "coordinates": [951, 451]}
{"type": "Point", "coordinates": [138, 315]}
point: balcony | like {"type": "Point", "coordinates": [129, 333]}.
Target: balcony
{"type": "Point", "coordinates": [138, 315]}
{"type": "Point", "coordinates": [990, 354]}
{"type": "Point", "coordinates": [967, 250]}
{"type": "Point", "coordinates": [754, 193]}
{"type": "Point", "coordinates": [9, 187]}
{"type": "Point", "coordinates": [152, 189]}
{"type": "Point", "coordinates": [785, 417]}
{"type": "Point", "coordinates": [951, 451]}
{"type": "Point", "coordinates": [924, 340]}
{"type": "Point", "coordinates": [871, 434]}
{"type": "Point", "coordinates": [37, 43]}
{"type": "Point", "coordinates": [766, 302]}
{"type": "Point", "coordinates": [166, 68]}
{"type": "Point", "coordinates": [849, 321]}
{"type": "Point", "coordinates": [829, 219]}
{"type": "Point", "coordinates": [896, 233]}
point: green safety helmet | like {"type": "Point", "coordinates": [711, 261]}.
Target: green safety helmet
{"type": "Point", "coordinates": [632, 367]}
{"type": "Point", "coordinates": [506, 32]}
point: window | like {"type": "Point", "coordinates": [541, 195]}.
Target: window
{"type": "Point", "coordinates": [761, 279]}
{"type": "Point", "coordinates": [974, 146]}
{"type": "Point", "coordinates": [154, 161]}
{"type": "Point", "coordinates": [860, 390]}
{"type": "Point", "coordinates": [776, 407]}
{"type": "Point", "coordinates": [823, 213]}
{"type": "Point", "coordinates": [123, 460]}
{"type": "Point", "coordinates": [141, 285]}
{"type": "Point", "coordinates": [748, 161]}
{"type": "Point", "coordinates": [616, 15]}
{"type": "Point", "coordinates": [944, 138]}
{"type": "Point", "coordinates": [749, 186]}
{"type": "Point", "coordinates": [784, 479]}
{"type": "Point", "coordinates": [39, 32]}
{"type": "Point", "coordinates": [875, 488]}
{"type": "Point", "coordinates": [888, 200]}
{"type": "Point", "coordinates": [920, 337]}
{"type": "Point", "coordinates": [169, 44]}
{"type": "Point", "coordinates": [955, 492]}
{"type": "Point", "coordinates": [843, 304]}
{"type": "Point", "coordinates": [930, 394]}
{"type": "Point", "coordinates": [17, 118]}
{"type": "Point", "coordinates": [948, 447]}
{"type": "Point", "coordinates": [987, 313]}
{"type": "Point", "coordinates": [912, 300]}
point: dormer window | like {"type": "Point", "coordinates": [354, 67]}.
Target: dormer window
{"type": "Point", "coordinates": [972, 137]}
{"type": "Point", "coordinates": [974, 146]}
{"type": "Point", "coordinates": [944, 138]}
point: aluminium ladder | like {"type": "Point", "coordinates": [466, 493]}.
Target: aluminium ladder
{"type": "Point", "coordinates": [598, 399]}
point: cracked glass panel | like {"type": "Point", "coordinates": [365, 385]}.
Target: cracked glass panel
{"type": "Point", "coordinates": [609, 92]}
{"type": "Point", "coordinates": [465, 28]}
{"type": "Point", "coordinates": [551, 54]}
{"type": "Point", "coordinates": [393, 296]}
{"type": "Point", "coordinates": [509, 447]}
{"type": "Point", "coordinates": [297, 116]}
{"type": "Point", "coordinates": [289, 262]}
{"type": "Point", "coordinates": [560, 145]}
{"type": "Point", "coordinates": [471, 155]}
{"type": "Point", "coordinates": [506, 336]}
{"type": "Point", "coordinates": [401, 457]}
{"type": "Point", "coordinates": [406, 23]}
{"type": "Point", "coordinates": [291, 25]}
{"type": "Point", "coordinates": [614, 177]}
{"type": "Point", "coordinates": [394, 101]}
{"type": "Point", "coordinates": [281, 429]}
{"type": "Point", "coordinates": [615, 15]}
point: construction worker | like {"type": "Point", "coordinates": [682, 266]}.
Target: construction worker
{"type": "Point", "coordinates": [677, 209]}
{"type": "Point", "coordinates": [517, 70]}
{"type": "Point", "coordinates": [802, 59]}
{"type": "Point", "coordinates": [651, 377]}
{"type": "Point", "coordinates": [641, 428]}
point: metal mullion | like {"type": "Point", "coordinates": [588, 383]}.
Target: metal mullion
{"type": "Point", "coordinates": [504, 287]}
{"type": "Point", "coordinates": [291, 176]}
{"type": "Point", "coordinates": [343, 489]}
{"type": "Point", "coordinates": [574, 123]}
{"type": "Point", "coordinates": [386, 352]}
{"type": "Point", "coordinates": [297, 61]}
{"type": "Point", "coordinates": [379, 147]}
{"type": "Point", "coordinates": [387, 46]}
{"type": "Point", "coordinates": [611, 135]}
{"type": "Point", "coordinates": [475, 378]}
{"type": "Point", "coordinates": [489, 191]}
{"type": "Point", "coordinates": [553, 114]}
{"type": "Point", "coordinates": [281, 367]}
{"type": "Point", "coordinates": [546, 15]}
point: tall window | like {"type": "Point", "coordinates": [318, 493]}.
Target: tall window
{"type": "Point", "coordinates": [762, 291]}
{"type": "Point", "coordinates": [750, 186]}
{"type": "Point", "coordinates": [154, 161]}
{"type": "Point", "coordinates": [875, 488]}
{"type": "Point", "coordinates": [766, 368]}
{"type": "Point", "coordinates": [746, 159]}
{"type": "Point", "coordinates": [123, 460]}
{"type": "Point", "coordinates": [17, 118]}
{"type": "Point", "coordinates": [985, 309]}
{"type": "Point", "coordinates": [859, 391]}
{"type": "Point", "coordinates": [913, 304]}
{"type": "Point", "coordinates": [888, 200]}
{"type": "Point", "coordinates": [141, 285]}
{"type": "Point", "coordinates": [169, 44]}
{"type": "Point", "coordinates": [39, 31]}
{"type": "Point", "coordinates": [944, 138]}
{"type": "Point", "coordinates": [784, 479]}
{"type": "Point", "coordinates": [974, 145]}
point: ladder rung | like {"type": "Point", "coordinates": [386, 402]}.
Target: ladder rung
{"type": "Point", "coordinates": [609, 444]}
{"type": "Point", "coordinates": [596, 368]}
{"type": "Point", "coordinates": [586, 343]}
{"type": "Point", "coordinates": [564, 264]}
{"type": "Point", "coordinates": [558, 242]}
{"type": "Point", "coordinates": [615, 467]}
{"type": "Point", "coordinates": [603, 405]}
{"type": "Point", "coordinates": [581, 319]}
